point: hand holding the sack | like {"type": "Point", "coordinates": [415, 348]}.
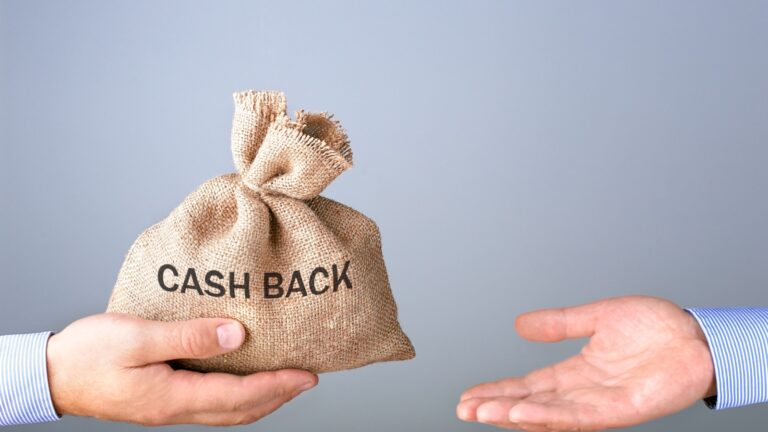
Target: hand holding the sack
{"type": "Point", "coordinates": [113, 367]}
{"type": "Point", "coordinates": [646, 358]}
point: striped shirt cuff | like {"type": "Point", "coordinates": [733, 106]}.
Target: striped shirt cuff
{"type": "Point", "coordinates": [24, 393]}
{"type": "Point", "coordinates": [738, 340]}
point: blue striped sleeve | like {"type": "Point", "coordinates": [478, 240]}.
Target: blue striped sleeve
{"type": "Point", "coordinates": [24, 393]}
{"type": "Point", "coordinates": [738, 340]}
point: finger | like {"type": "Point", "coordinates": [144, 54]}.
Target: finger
{"type": "Point", "coordinates": [558, 416]}
{"type": "Point", "coordinates": [218, 396]}
{"type": "Point", "coordinates": [495, 411]}
{"type": "Point", "coordinates": [197, 338]}
{"type": "Point", "coordinates": [466, 410]}
{"type": "Point", "coordinates": [235, 418]}
{"type": "Point", "coordinates": [553, 325]}
{"type": "Point", "coordinates": [510, 387]}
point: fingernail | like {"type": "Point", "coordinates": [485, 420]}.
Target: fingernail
{"type": "Point", "coordinates": [483, 412]}
{"type": "Point", "coordinates": [514, 415]}
{"type": "Point", "coordinates": [230, 335]}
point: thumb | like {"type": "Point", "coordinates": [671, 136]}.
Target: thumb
{"type": "Point", "coordinates": [554, 325]}
{"type": "Point", "coordinates": [198, 338]}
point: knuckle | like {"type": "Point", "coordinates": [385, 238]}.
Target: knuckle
{"type": "Point", "coordinates": [278, 388]}
{"type": "Point", "coordinates": [238, 405]}
{"type": "Point", "coordinates": [284, 393]}
{"type": "Point", "coordinates": [132, 337]}
{"type": "Point", "coordinates": [193, 342]}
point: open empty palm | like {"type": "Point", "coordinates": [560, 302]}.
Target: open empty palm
{"type": "Point", "coordinates": [646, 358]}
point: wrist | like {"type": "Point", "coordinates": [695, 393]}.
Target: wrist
{"type": "Point", "coordinates": [701, 336]}
{"type": "Point", "coordinates": [55, 378]}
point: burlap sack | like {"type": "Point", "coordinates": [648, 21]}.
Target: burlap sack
{"type": "Point", "coordinates": [317, 295]}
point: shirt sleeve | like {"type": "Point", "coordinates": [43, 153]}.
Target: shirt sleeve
{"type": "Point", "coordinates": [738, 340]}
{"type": "Point", "coordinates": [25, 396]}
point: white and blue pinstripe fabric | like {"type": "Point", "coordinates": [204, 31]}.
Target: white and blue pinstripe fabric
{"type": "Point", "coordinates": [24, 393]}
{"type": "Point", "coordinates": [738, 340]}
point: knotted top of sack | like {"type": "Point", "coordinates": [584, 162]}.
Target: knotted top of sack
{"type": "Point", "coordinates": [275, 154]}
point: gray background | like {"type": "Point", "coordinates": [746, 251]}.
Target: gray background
{"type": "Point", "coordinates": [515, 155]}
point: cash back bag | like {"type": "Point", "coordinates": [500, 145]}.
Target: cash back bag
{"type": "Point", "coordinates": [304, 274]}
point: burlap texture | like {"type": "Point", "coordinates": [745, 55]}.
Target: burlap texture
{"type": "Point", "coordinates": [268, 218]}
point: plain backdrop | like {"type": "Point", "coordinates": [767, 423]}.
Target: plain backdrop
{"type": "Point", "coordinates": [516, 155]}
